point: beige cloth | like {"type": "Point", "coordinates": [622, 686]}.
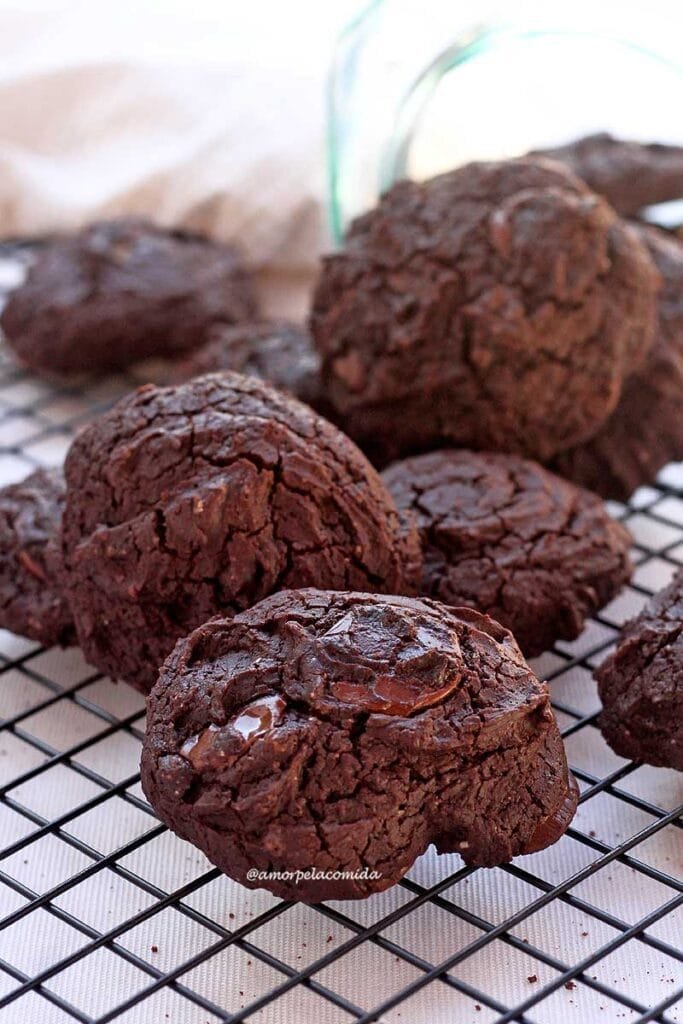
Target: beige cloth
{"type": "Point", "coordinates": [208, 114]}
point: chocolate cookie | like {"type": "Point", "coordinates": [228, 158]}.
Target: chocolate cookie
{"type": "Point", "coordinates": [630, 175]}
{"type": "Point", "coordinates": [497, 306]}
{"type": "Point", "coordinates": [31, 598]}
{"type": "Point", "coordinates": [503, 535]}
{"type": "Point", "coordinates": [120, 291]}
{"type": "Point", "coordinates": [641, 683]}
{"type": "Point", "coordinates": [278, 352]}
{"type": "Point", "coordinates": [205, 497]}
{"type": "Point", "coordinates": [345, 733]}
{"type": "Point", "coordinates": [645, 431]}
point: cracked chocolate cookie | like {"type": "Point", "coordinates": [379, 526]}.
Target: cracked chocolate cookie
{"type": "Point", "coordinates": [499, 306]}
{"type": "Point", "coordinates": [343, 734]}
{"type": "Point", "coordinates": [187, 501]}
{"type": "Point", "coordinates": [630, 175]}
{"type": "Point", "coordinates": [31, 597]}
{"type": "Point", "coordinates": [278, 352]}
{"type": "Point", "coordinates": [645, 431]}
{"type": "Point", "coordinates": [641, 683]}
{"type": "Point", "coordinates": [501, 534]}
{"type": "Point", "coordinates": [120, 291]}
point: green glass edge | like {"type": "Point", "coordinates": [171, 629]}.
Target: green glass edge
{"type": "Point", "coordinates": [423, 87]}
{"type": "Point", "coordinates": [331, 133]}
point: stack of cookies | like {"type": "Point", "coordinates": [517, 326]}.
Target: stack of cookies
{"type": "Point", "coordinates": [325, 553]}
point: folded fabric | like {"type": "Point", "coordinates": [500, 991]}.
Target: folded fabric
{"type": "Point", "coordinates": [197, 114]}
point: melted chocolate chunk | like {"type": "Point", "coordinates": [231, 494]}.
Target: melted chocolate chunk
{"type": "Point", "coordinates": [373, 726]}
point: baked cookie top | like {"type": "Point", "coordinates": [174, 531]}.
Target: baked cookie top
{"type": "Point", "coordinates": [205, 497]}
{"type": "Point", "coordinates": [499, 306]}
{"type": "Point", "coordinates": [348, 731]}
{"type": "Point", "coordinates": [501, 534]}
{"type": "Point", "coordinates": [32, 602]}
{"type": "Point", "coordinates": [120, 291]}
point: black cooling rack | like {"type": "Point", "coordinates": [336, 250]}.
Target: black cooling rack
{"type": "Point", "coordinates": [106, 916]}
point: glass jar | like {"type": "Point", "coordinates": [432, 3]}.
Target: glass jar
{"type": "Point", "coordinates": [420, 87]}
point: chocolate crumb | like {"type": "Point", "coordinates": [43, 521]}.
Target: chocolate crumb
{"type": "Point", "coordinates": [532, 979]}
{"type": "Point", "coordinates": [570, 985]}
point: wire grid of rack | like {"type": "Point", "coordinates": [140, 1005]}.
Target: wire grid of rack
{"type": "Point", "coordinates": [104, 915]}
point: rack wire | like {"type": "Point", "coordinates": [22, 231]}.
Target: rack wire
{"type": "Point", "coordinates": [104, 915]}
